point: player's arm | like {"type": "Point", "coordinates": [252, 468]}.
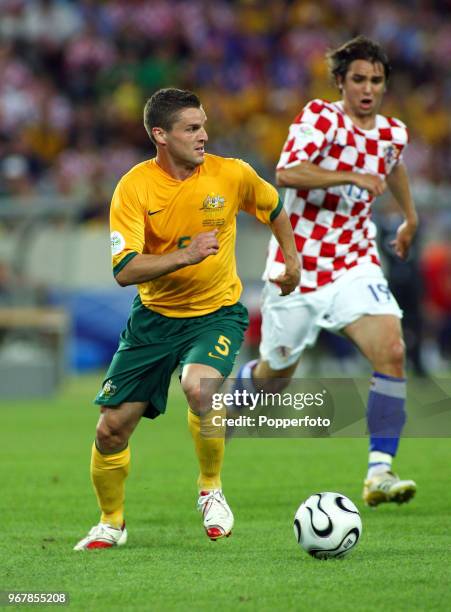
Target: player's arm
{"type": "Point", "coordinates": [283, 232]}
{"type": "Point", "coordinates": [398, 183]}
{"type": "Point", "coordinates": [306, 175]}
{"type": "Point", "coordinates": [144, 267]}
{"type": "Point", "coordinates": [260, 199]}
{"type": "Point", "coordinates": [309, 136]}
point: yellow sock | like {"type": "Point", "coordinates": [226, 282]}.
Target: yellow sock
{"type": "Point", "coordinates": [108, 474]}
{"type": "Point", "coordinates": [209, 450]}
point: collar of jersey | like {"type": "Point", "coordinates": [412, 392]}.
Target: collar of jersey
{"type": "Point", "coordinates": [339, 104]}
{"type": "Point", "coordinates": [153, 163]}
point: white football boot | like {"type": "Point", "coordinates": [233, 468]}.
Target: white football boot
{"type": "Point", "coordinates": [103, 535]}
{"type": "Point", "coordinates": [218, 517]}
{"type": "Point", "coordinates": [387, 487]}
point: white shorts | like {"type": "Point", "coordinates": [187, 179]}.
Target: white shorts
{"type": "Point", "coordinates": [293, 322]}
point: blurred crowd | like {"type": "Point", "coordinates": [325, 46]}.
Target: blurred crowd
{"type": "Point", "coordinates": [75, 75]}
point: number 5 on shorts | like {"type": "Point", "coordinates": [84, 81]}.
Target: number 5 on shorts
{"type": "Point", "coordinates": [223, 347]}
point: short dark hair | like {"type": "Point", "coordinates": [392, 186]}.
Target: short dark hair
{"type": "Point", "coordinates": [359, 48]}
{"type": "Point", "coordinates": [162, 108]}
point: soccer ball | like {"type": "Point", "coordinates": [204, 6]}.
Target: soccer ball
{"type": "Point", "coordinates": [327, 525]}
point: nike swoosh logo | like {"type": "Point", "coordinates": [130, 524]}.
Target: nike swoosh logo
{"type": "Point", "coordinates": [154, 212]}
{"type": "Point", "coordinates": [210, 354]}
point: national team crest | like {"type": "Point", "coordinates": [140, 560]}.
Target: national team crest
{"type": "Point", "coordinates": [108, 389]}
{"type": "Point", "coordinates": [391, 155]}
{"type": "Point", "coordinates": [213, 209]}
{"type": "Point", "coordinates": [213, 201]}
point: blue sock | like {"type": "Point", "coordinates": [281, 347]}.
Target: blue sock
{"type": "Point", "coordinates": [244, 377]}
{"type": "Point", "coordinates": [386, 417]}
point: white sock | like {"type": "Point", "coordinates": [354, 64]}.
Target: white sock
{"type": "Point", "coordinates": [378, 463]}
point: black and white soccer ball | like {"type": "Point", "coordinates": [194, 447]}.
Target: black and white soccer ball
{"type": "Point", "coordinates": [327, 525]}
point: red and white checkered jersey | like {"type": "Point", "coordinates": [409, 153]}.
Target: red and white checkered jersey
{"type": "Point", "coordinates": [332, 227]}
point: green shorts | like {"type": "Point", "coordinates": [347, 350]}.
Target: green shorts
{"type": "Point", "coordinates": [152, 346]}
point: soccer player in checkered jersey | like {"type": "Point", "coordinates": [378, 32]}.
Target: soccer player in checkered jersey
{"type": "Point", "coordinates": [338, 157]}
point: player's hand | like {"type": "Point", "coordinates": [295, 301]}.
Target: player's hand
{"type": "Point", "coordinates": [404, 236]}
{"type": "Point", "coordinates": [288, 280]}
{"type": "Point", "coordinates": [372, 183]}
{"type": "Point", "coordinates": [201, 246]}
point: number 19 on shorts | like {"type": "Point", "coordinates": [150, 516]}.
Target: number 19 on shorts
{"type": "Point", "coordinates": [380, 292]}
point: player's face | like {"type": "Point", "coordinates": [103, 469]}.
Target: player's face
{"type": "Point", "coordinates": [185, 142]}
{"type": "Point", "coordinates": [363, 88]}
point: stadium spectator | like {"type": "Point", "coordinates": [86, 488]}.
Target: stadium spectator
{"type": "Point", "coordinates": [75, 73]}
{"type": "Point", "coordinates": [254, 56]}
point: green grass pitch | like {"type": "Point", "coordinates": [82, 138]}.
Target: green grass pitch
{"type": "Point", "coordinates": [401, 563]}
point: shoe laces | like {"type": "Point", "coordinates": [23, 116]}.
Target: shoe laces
{"type": "Point", "coordinates": [386, 480]}
{"type": "Point", "coordinates": [389, 475]}
{"type": "Point", "coordinates": [102, 528]}
{"type": "Point", "coordinates": [210, 497]}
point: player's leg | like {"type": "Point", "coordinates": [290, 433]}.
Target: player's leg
{"type": "Point", "coordinates": [110, 461]}
{"type": "Point", "coordinates": [209, 450]}
{"type": "Point", "coordinates": [207, 361]}
{"type": "Point", "coordinates": [136, 385]}
{"type": "Point", "coordinates": [289, 325]}
{"type": "Point", "coordinates": [110, 458]}
{"type": "Point", "coordinates": [379, 338]}
{"type": "Point", "coordinates": [209, 447]}
{"type": "Point", "coordinates": [365, 310]}
{"type": "Point", "coordinates": [266, 378]}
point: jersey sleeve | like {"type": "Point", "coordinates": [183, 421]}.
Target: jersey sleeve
{"type": "Point", "coordinates": [127, 224]}
{"type": "Point", "coordinates": [258, 197]}
{"type": "Point", "coordinates": [311, 131]}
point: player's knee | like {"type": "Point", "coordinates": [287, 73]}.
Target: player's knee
{"type": "Point", "coordinates": [390, 356]}
{"type": "Point", "coordinates": [270, 380]}
{"type": "Point", "coordinates": [110, 437]}
{"type": "Point", "coordinates": [396, 352]}
{"type": "Point", "coordinates": [198, 394]}
{"type": "Point", "coordinates": [193, 395]}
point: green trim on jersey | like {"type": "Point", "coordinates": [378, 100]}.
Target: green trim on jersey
{"type": "Point", "coordinates": [123, 263]}
{"type": "Point", "coordinates": [276, 212]}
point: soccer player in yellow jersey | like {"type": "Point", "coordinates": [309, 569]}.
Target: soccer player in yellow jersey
{"type": "Point", "coordinates": [173, 226]}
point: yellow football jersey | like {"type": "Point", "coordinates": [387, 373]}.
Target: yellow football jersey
{"type": "Point", "coordinates": [151, 212]}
